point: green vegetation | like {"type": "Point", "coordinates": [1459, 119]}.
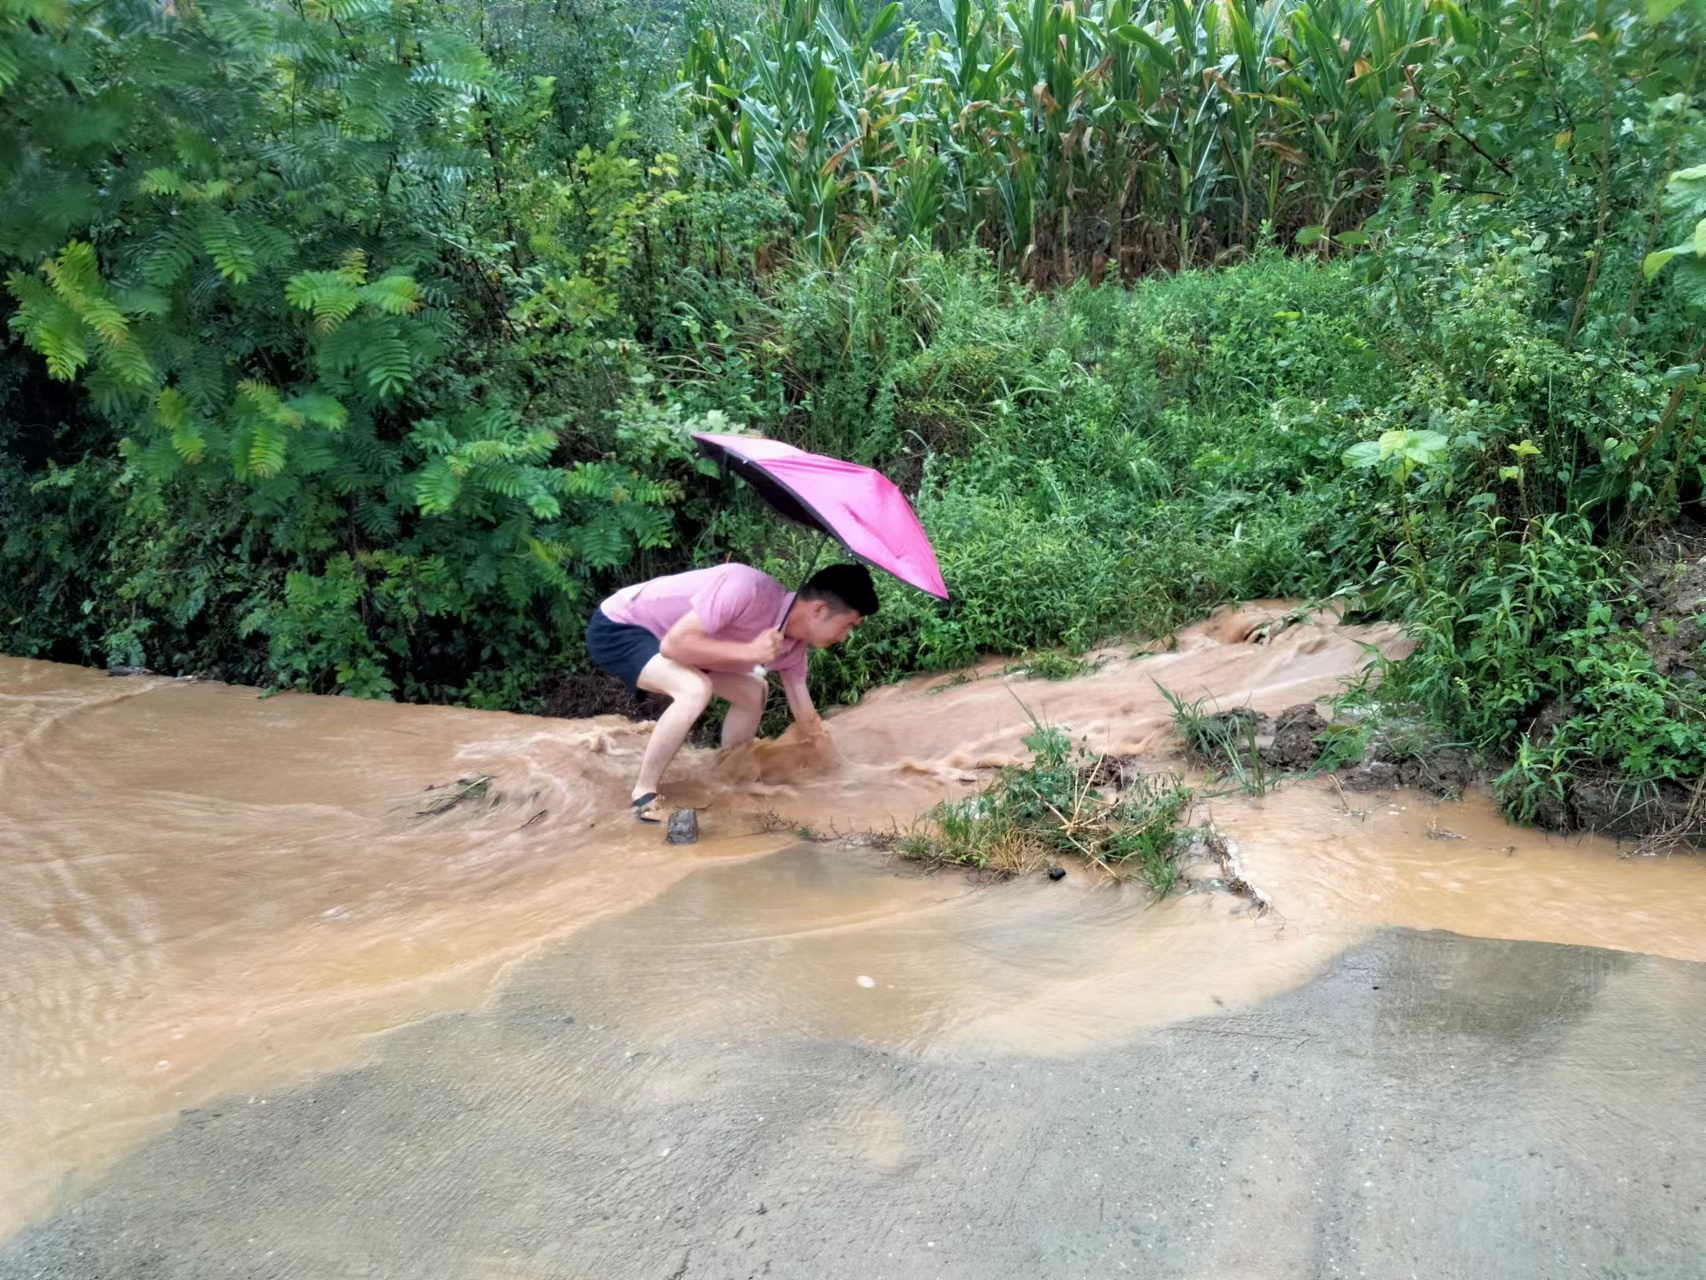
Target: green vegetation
{"type": "Point", "coordinates": [1223, 743]}
{"type": "Point", "coordinates": [1050, 665]}
{"type": "Point", "coordinates": [1066, 801]}
{"type": "Point", "coordinates": [356, 343]}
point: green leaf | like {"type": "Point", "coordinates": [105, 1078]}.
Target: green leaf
{"type": "Point", "coordinates": [266, 451]}
{"type": "Point", "coordinates": [320, 409]}
{"type": "Point", "coordinates": [395, 295]}
{"type": "Point", "coordinates": [226, 244]}
{"type": "Point", "coordinates": [161, 182]}
{"type": "Point", "coordinates": [390, 366]}
{"type": "Point", "coordinates": [328, 294]}
{"type": "Point", "coordinates": [1310, 235]}
{"type": "Point", "coordinates": [170, 408]}
{"type": "Point", "coordinates": [1655, 261]}
{"type": "Point", "coordinates": [1131, 33]}
{"type": "Point", "coordinates": [190, 445]}
{"type": "Point", "coordinates": [437, 488]}
{"type": "Point", "coordinates": [1421, 447]}
{"type": "Point", "coordinates": [1659, 10]}
{"type": "Point", "coordinates": [1364, 455]}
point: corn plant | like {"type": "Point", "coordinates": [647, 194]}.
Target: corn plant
{"type": "Point", "coordinates": [1064, 137]}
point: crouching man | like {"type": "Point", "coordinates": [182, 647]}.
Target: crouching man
{"type": "Point", "coordinates": [693, 635]}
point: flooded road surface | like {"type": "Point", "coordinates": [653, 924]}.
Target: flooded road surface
{"type": "Point", "coordinates": [201, 890]}
{"type": "Point", "coordinates": [701, 1089]}
{"type": "Point", "coordinates": [211, 903]}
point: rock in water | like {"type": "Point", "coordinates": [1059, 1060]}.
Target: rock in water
{"type": "Point", "coordinates": [684, 826]}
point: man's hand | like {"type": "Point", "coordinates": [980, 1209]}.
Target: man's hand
{"type": "Point", "coordinates": [764, 649]}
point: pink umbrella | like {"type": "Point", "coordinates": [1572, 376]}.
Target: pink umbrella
{"type": "Point", "coordinates": [858, 507]}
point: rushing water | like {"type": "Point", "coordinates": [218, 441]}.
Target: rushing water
{"type": "Point", "coordinates": [202, 890]}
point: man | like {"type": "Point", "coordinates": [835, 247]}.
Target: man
{"type": "Point", "coordinates": [692, 635]}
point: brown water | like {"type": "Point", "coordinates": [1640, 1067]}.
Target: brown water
{"type": "Point", "coordinates": [204, 891]}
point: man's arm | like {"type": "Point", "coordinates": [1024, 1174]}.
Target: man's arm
{"type": "Point", "coordinates": [800, 703]}
{"type": "Point", "coordinates": [688, 643]}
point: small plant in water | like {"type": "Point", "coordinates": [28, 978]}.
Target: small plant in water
{"type": "Point", "coordinates": [1223, 742]}
{"type": "Point", "coordinates": [1055, 805]}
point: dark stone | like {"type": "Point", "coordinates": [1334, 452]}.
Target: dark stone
{"type": "Point", "coordinates": [684, 826]}
{"type": "Point", "coordinates": [1057, 873]}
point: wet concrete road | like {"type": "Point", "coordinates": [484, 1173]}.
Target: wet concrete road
{"type": "Point", "coordinates": [1429, 1106]}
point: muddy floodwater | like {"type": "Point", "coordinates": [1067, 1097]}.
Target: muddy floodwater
{"type": "Point", "coordinates": [207, 895]}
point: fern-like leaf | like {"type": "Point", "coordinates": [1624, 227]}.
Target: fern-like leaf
{"type": "Point", "coordinates": [226, 245]}
{"type": "Point", "coordinates": [170, 256]}
{"type": "Point", "coordinates": [389, 366]}
{"type": "Point", "coordinates": [265, 454]}
{"type": "Point", "coordinates": [74, 274]}
{"type": "Point", "coordinates": [320, 409]}
{"type": "Point", "coordinates": [161, 182]}
{"type": "Point", "coordinates": [395, 295]}
{"type": "Point", "coordinates": [327, 294]}
{"type": "Point", "coordinates": [437, 488]}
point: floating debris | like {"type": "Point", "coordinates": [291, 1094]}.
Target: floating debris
{"type": "Point", "coordinates": [477, 787]}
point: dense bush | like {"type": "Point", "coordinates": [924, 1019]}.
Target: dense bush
{"type": "Point", "coordinates": [357, 345]}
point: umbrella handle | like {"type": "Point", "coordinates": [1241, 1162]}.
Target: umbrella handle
{"type": "Point", "coordinates": [759, 670]}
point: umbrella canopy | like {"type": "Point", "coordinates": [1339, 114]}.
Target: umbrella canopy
{"type": "Point", "coordinates": [858, 507]}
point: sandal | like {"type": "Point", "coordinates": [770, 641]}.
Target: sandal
{"type": "Point", "coordinates": [650, 808]}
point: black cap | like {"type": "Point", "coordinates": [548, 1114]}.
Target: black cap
{"type": "Point", "coordinates": [848, 585]}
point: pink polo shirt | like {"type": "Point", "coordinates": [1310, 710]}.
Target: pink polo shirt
{"type": "Point", "coordinates": [734, 601]}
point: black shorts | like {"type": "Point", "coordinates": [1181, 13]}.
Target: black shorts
{"type": "Point", "coordinates": [620, 648]}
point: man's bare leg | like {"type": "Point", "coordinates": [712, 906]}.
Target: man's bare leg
{"type": "Point", "coordinates": [689, 692]}
{"type": "Point", "coordinates": [746, 697]}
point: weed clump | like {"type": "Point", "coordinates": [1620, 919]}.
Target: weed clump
{"type": "Point", "coordinates": [1061, 803]}
{"type": "Point", "coordinates": [1224, 743]}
